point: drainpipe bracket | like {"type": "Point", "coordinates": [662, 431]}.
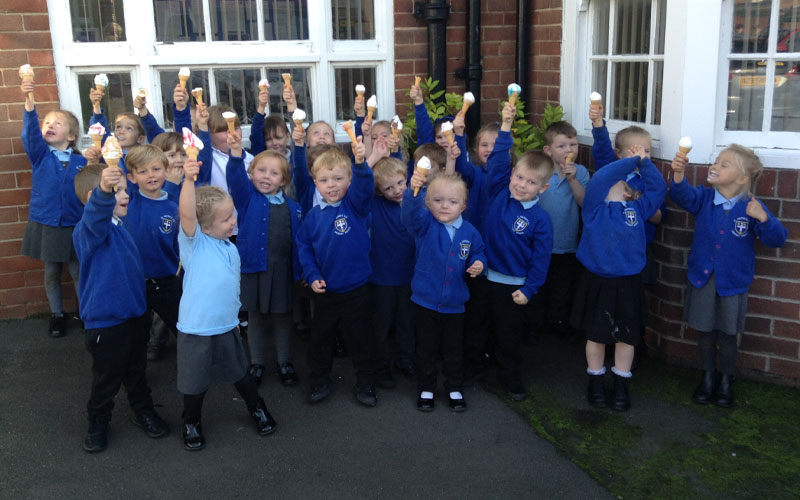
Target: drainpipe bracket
{"type": "Point", "coordinates": [432, 12]}
{"type": "Point", "coordinates": [473, 72]}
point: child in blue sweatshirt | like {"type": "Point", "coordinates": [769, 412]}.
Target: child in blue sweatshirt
{"type": "Point", "coordinates": [112, 305]}
{"type": "Point", "coordinates": [153, 221]}
{"type": "Point", "coordinates": [268, 225]}
{"type": "Point", "coordinates": [448, 247]}
{"type": "Point", "coordinates": [128, 129]}
{"type": "Point", "coordinates": [609, 304]}
{"type": "Point", "coordinates": [54, 209]}
{"type": "Point", "coordinates": [392, 254]}
{"type": "Point", "coordinates": [210, 349]}
{"type": "Point", "coordinates": [728, 219]}
{"type": "Point", "coordinates": [334, 254]}
{"type": "Point", "coordinates": [519, 240]}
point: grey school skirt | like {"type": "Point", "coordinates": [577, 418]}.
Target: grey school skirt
{"type": "Point", "coordinates": [48, 243]}
{"type": "Point", "coordinates": [704, 310]}
{"type": "Point", "coordinates": [207, 360]}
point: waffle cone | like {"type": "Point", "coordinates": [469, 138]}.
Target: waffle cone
{"type": "Point", "coordinates": [465, 107]}
{"type": "Point", "coordinates": [298, 123]}
{"type": "Point", "coordinates": [97, 140]}
{"type": "Point", "coordinates": [396, 135]}
{"type": "Point", "coordinates": [287, 79]}
{"type": "Point", "coordinates": [424, 173]}
{"type": "Point", "coordinates": [684, 149]}
{"type": "Point", "coordinates": [416, 81]}
{"type": "Point", "coordinates": [198, 96]}
{"type": "Point", "coordinates": [450, 136]}
{"type": "Point", "coordinates": [28, 79]}
{"type": "Point", "coordinates": [231, 124]}
{"type": "Point", "coordinates": [370, 111]}
{"type": "Point", "coordinates": [512, 99]}
{"type": "Point", "coordinates": [351, 134]}
{"type": "Point", "coordinates": [183, 79]}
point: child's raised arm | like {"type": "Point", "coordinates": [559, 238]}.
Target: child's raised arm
{"type": "Point", "coordinates": [289, 98]}
{"type": "Point", "coordinates": [453, 153]}
{"type": "Point", "coordinates": [187, 207]}
{"type": "Point", "coordinates": [27, 91]}
{"type": "Point", "coordinates": [679, 164]}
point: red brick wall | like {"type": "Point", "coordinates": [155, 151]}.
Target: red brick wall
{"type": "Point", "coordinates": [24, 38]}
{"type": "Point", "coordinates": [498, 47]}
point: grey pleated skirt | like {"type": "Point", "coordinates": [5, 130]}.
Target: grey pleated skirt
{"type": "Point", "coordinates": [207, 360]}
{"type": "Point", "coordinates": [704, 310]}
{"type": "Point", "coordinates": [48, 243]}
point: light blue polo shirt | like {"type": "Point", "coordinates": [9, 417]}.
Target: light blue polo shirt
{"type": "Point", "coordinates": [210, 302]}
{"type": "Point", "coordinates": [564, 211]}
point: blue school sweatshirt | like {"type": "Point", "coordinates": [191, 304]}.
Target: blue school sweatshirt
{"type": "Point", "coordinates": [519, 240]}
{"type": "Point", "coordinates": [613, 242]}
{"type": "Point", "coordinates": [724, 240]}
{"type": "Point", "coordinates": [333, 242]}
{"type": "Point", "coordinates": [476, 179]}
{"type": "Point", "coordinates": [603, 154]}
{"type": "Point", "coordinates": [253, 218]}
{"type": "Point", "coordinates": [392, 248]}
{"type": "Point", "coordinates": [53, 199]}
{"type": "Point", "coordinates": [153, 223]}
{"type": "Point", "coordinates": [151, 127]}
{"type": "Point", "coordinates": [303, 183]}
{"type": "Point", "coordinates": [439, 281]}
{"type": "Point", "coordinates": [111, 286]}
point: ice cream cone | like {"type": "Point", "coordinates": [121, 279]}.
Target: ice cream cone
{"type": "Point", "coordinates": [287, 79]}
{"type": "Point", "coordinates": [26, 74]}
{"type": "Point", "coordinates": [512, 99]}
{"type": "Point", "coordinates": [450, 135]}
{"type": "Point", "coordinates": [396, 135]}
{"type": "Point", "coordinates": [192, 152]}
{"type": "Point", "coordinates": [183, 79]}
{"type": "Point", "coordinates": [684, 149]}
{"type": "Point", "coordinates": [370, 111]}
{"type": "Point", "coordinates": [100, 88]}
{"type": "Point", "coordinates": [30, 94]}
{"type": "Point", "coordinates": [298, 123]}
{"type": "Point", "coordinates": [465, 107]}
{"type": "Point", "coordinates": [422, 167]}
{"type": "Point", "coordinates": [570, 158]}
{"type": "Point", "coordinates": [416, 81]}
{"type": "Point", "coordinates": [348, 127]}
{"type": "Point", "coordinates": [97, 140]}
{"type": "Point", "coordinates": [685, 145]}
{"type": "Point", "coordinates": [198, 95]}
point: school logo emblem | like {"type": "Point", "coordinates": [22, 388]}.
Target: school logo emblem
{"type": "Point", "coordinates": [520, 224]}
{"type": "Point", "coordinates": [631, 218]}
{"type": "Point", "coordinates": [740, 225]}
{"type": "Point", "coordinates": [463, 251]}
{"type": "Point", "coordinates": [340, 225]}
{"type": "Point", "coordinates": [167, 224]}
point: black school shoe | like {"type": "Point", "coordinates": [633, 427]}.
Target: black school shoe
{"type": "Point", "coordinates": [153, 425]}
{"type": "Point", "coordinates": [287, 374]}
{"type": "Point", "coordinates": [58, 325]}
{"type": "Point", "coordinates": [457, 404]}
{"type": "Point", "coordinates": [705, 390]}
{"type": "Point", "coordinates": [596, 391]}
{"type": "Point", "coordinates": [256, 372]}
{"type": "Point", "coordinates": [193, 438]}
{"type": "Point", "coordinates": [365, 394]}
{"type": "Point", "coordinates": [724, 394]}
{"type": "Point", "coordinates": [96, 439]}
{"type": "Point", "coordinates": [622, 400]}
{"type": "Point", "coordinates": [320, 391]}
{"type": "Point", "coordinates": [425, 404]}
{"type": "Point", "coordinates": [265, 424]}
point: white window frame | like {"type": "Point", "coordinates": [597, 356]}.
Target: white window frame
{"type": "Point", "coordinates": [693, 48]}
{"type": "Point", "coordinates": [143, 56]}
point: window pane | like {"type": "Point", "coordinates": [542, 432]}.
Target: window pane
{"type": "Point", "coordinates": [301, 82]}
{"type": "Point", "coordinates": [238, 88]}
{"type": "Point", "coordinates": [285, 20]}
{"type": "Point", "coordinates": [97, 20]}
{"type": "Point", "coordinates": [632, 27]}
{"type": "Point", "coordinates": [746, 95]}
{"type": "Point", "coordinates": [234, 20]}
{"type": "Point", "coordinates": [346, 81]}
{"type": "Point", "coordinates": [750, 26]}
{"type": "Point", "coordinates": [789, 27]}
{"type": "Point", "coordinates": [599, 72]}
{"type": "Point", "coordinates": [179, 20]}
{"type": "Point", "coordinates": [786, 97]}
{"type": "Point", "coordinates": [658, 84]}
{"type": "Point", "coordinates": [661, 20]}
{"type": "Point", "coordinates": [600, 42]}
{"type": "Point", "coordinates": [118, 98]}
{"type": "Point", "coordinates": [629, 81]}
{"type": "Point", "coordinates": [169, 79]}
{"type": "Point", "coordinates": [353, 20]}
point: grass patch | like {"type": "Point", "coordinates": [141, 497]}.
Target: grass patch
{"type": "Point", "coordinates": [751, 451]}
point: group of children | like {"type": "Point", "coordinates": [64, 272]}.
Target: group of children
{"type": "Point", "coordinates": [444, 257]}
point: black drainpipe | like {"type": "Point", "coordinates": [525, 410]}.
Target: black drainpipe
{"type": "Point", "coordinates": [474, 70]}
{"type": "Point", "coordinates": [522, 70]}
{"type": "Point", "coordinates": [436, 13]}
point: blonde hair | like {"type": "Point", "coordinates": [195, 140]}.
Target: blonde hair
{"type": "Point", "coordinates": [453, 179]}
{"type": "Point", "coordinates": [206, 200]}
{"type": "Point", "coordinates": [72, 124]}
{"type": "Point", "coordinates": [539, 163]}
{"type": "Point", "coordinates": [387, 167]}
{"type": "Point", "coordinates": [286, 172]}
{"type": "Point", "coordinates": [87, 179]}
{"type": "Point", "coordinates": [748, 164]}
{"type": "Point", "coordinates": [331, 159]}
{"type": "Point", "coordinates": [140, 156]}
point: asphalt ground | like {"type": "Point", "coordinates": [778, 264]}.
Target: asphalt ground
{"type": "Point", "coordinates": [334, 449]}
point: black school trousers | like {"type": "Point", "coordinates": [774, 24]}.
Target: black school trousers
{"type": "Point", "coordinates": [437, 333]}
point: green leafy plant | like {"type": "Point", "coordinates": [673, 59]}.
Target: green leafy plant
{"type": "Point", "coordinates": [528, 136]}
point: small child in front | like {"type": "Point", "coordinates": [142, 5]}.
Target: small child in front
{"type": "Point", "coordinates": [722, 260]}
{"type": "Point", "coordinates": [54, 209]}
{"type": "Point", "coordinates": [448, 247]}
{"type": "Point", "coordinates": [116, 330]}
{"type": "Point", "coordinates": [334, 253]}
{"type": "Point", "coordinates": [519, 240]}
{"type": "Point", "coordinates": [210, 347]}
{"type": "Point", "coordinates": [609, 303]}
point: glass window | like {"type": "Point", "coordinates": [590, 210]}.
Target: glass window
{"type": "Point", "coordinates": [238, 88]}
{"type": "Point", "coordinates": [346, 81]}
{"type": "Point", "coordinates": [627, 59]}
{"type": "Point", "coordinates": [118, 98]}
{"type": "Point", "coordinates": [755, 44]}
{"type": "Point", "coordinates": [234, 20]}
{"type": "Point", "coordinates": [301, 83]}
{"type": "Point", "coordinates": [179, 20]}
{"type": "Point", "coordinates": [169, 79]}
{"type": "Point", "coordinates": [285, 20]}
{"type": "Point", "coordinates": [97, 20]}
{"type": "Point", "coordinates": [353, 20]}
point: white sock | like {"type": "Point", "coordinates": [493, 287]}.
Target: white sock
{"type": "Point", "coordinates": [426, 395]}
{"type": "Point", "coordinates": [456, 395]}
{"type": "Point", "coordinates": [601, 371]}
{"type": "Point", "coordinates": [621, 373]}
